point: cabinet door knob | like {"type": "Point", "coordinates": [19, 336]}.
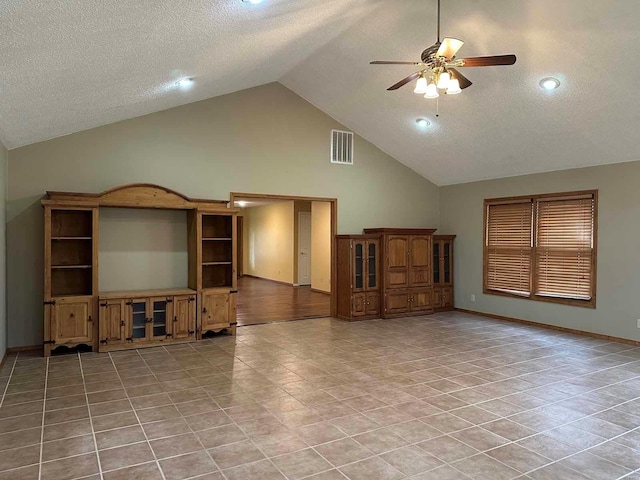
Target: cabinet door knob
{"type": "Point", "coordinates": [90, 319]}
{"type": "Point", "coordinates": [175, 319]}
{"type": "Point", "coordinates": [204, 310]}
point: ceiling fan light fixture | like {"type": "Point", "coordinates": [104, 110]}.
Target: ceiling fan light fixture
{"type": "Point", "coordinates": [421, 85]}
{"type": "Point", "coordinates": [443, 80]}
{"type": "Point", "coordinates": [454, 87]}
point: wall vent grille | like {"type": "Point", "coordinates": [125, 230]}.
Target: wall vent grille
{"type": "Point", "coordinates": [341, 147]}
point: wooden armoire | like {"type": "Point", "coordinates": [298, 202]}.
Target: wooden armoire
{"type": "Point", "coordinates": [443, 272]}
{"type": "Point", "coordinates": [406, 273]}
{"type": "Point", "coordinates": [358, 282]}
{"type": "Point", "coordinates": [78, 313]}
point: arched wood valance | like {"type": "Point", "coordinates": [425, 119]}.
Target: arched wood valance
{"type": "Point", "coordinates": [136, 195]}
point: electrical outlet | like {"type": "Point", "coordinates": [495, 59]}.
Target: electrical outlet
{"type": "Point", "coordinates": [473, 299]}
{"type": "Point", "coordinates": [639, 323]}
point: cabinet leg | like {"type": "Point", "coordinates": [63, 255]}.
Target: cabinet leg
{"type": "Point", "coordinates": [232, 330]}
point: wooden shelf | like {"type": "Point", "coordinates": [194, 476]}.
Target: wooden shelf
{"type": "Point", "coordinates": [163, 292]}
{"type": "Point", "coordinates": [71, 238]}
{"type": "Point", "coordinates": [67, 267]}
{"type": "Point", "coordinates": [208, 264]}
{"type": "Point", "coordinates": [217, 239]}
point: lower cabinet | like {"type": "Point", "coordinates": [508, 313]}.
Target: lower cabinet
{"type": "Point", "coordinates": [408, 300]}
{"type": "Point", "coordinates": [70, 322]}
{"type": "Point", "coordinates": [184, 315]}
{"type": "Point", "coordinates": [146, 321]}
{"type": "Point", "coordinates": [365, 304]}
{"type": "Point", "coordinates": [442, 298]}
{"type": "Point", "coordinates": [217, 311]}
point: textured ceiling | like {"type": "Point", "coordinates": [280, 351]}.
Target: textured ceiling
{"type": "Point", "coordinates": [75, 64]}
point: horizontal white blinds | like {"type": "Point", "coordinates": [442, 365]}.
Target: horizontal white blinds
{"type": "Point", "coordinates": [564, 247]}
{"type": "Point", "coordinates": [508, 247]}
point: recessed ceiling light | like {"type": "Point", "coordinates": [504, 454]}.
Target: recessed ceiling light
{"type": "Point", "coordinates": [549, 83]}
{"type": "Point", "coordinates": [241, 203]}
{"type": "Point", "coordinates": [185, 83]}
{"type": "Point", "coordinates": [423, 122]}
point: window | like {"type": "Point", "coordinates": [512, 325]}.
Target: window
{"type": "Point", "coordinates": [542, 247]}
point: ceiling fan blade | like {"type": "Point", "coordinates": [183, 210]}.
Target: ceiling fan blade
{"type": "Point", "coordinates": [487, 61]}
{"type": "Point", "coordinates": [384, 62]}
{"type": "Point", "coordinates": [464, 81]}
{"type": "Point", "coordinates": [449, 48]}
{"type": "Point", "coordinates": [404, 81]}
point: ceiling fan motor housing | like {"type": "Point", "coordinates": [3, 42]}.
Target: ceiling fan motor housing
{"type": "Point", "coordinates": [430, 52]}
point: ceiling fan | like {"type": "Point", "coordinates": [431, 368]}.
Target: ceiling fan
{"type": "Point", "coordinates": [438, 67]}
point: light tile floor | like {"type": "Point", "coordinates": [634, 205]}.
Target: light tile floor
{"type": "Point", "coordinates": [448, 396]}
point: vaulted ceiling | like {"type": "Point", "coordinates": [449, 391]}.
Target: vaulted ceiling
{"type": "Point", "coordinates": [71, 65]}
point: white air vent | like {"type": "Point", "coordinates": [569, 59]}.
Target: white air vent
{"type": "Point", "coordinates": [342, 147]}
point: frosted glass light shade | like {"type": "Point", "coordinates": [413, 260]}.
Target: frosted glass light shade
{"type": "Point", "coordinates": [432, 91]}
{"type": "Point", "coordinates": [443, 80]}
{"type": "Point", "coordinates": [421, 86]}
{"type": "Point", "coordinates": [454, 87]}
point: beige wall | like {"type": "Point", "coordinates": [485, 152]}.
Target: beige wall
{"type": "Point", "coordinates": [269, 232]}
{"type": "Point", "coordinates": [142, 249]}
{"type": "Point", "coordinates": [321, 246]}
{"type": "Point", "coordinates": [264, 140]}
{"type": "Point", "coordinates": [618, 304]}
{"type": "Point", "coordinates": [3, 243]}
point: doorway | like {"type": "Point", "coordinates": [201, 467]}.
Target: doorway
{"type": "Point", "coordinates": [288, 257]}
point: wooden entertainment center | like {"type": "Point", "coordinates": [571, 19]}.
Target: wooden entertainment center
{"type": "Point", "coordinates": [78, 313]}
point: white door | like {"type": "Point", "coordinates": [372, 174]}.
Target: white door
{"type": "Point", "coordinates": [304, 248]}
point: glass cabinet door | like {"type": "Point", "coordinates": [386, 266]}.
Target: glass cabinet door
{"type": "Point", "coordinates": [436, 262]}
{"type": "Point", "coordinates": [139, 319]}
{"type": "Point", "coordinates": [447, 262]}
{"type": "Point", "coordinates": [358, 271]}
{"type": "Point", "coordinates": [372, 272]}
{"type": "Point", "coordinates": [159, 318]}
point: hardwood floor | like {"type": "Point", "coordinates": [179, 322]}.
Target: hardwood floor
{"type": "Point", "coordinates": [262, 301]}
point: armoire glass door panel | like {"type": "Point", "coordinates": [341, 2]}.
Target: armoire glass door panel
{"type": "Point", "coordinates": [359, 266]}
{"type": "Point", "coordinates": [139, 319]}
{"type": "Point", "coordinates": [371, 266]}
{"type": "Point", "coordinates": [436, 262]}
{"type": "Point", "coordinates": [447, 262]}
{"type": "Point", "coordinates": [159, 318]}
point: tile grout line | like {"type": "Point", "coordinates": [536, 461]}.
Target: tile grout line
{"type": "Point", "coordinates": [93, 432]}
{"type": "Point", "coordinates": [44, 411]}
{"type": "Point", "coordinates": [6, 387]}
{"type": "Point", "coordinates": [136, 414]}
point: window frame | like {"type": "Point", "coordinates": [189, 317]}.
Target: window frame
{"type": "Point", "coordinates": [591, 303]}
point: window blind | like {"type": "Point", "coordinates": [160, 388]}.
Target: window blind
{"type": "Point", "coordinates": [509, 247]}
{"type": "Point", "coordinates": [564, 247]}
